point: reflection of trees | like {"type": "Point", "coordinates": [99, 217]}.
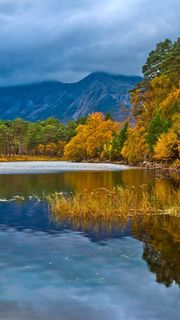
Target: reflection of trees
{"type": "Point", "coordinates": [29, 184]}
{"type": "Point", "coordinates": [153, 178]}
{"type": "Point", "coordinates": [91, 180]}
{"type": "Point", "coordinates": [95, 229]}
{"type": "Point", "coordinates": [137, 177]}
{"type": "Point", "coordinates": [161, 237]}
{"type": "Point", "coordinates": [37, 184]}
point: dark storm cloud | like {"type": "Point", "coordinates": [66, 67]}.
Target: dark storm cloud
{"type": "Point", "coordinates": [67, 39]}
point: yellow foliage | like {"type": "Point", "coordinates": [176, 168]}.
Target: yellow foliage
{"type": "Point", "coordinates": [50, 149]}
{"type": "Point", "coordinates": [60, 148]}
{"type": "Point", "coordinates": [161, 88]}
{"type": "Point", "coordinates": [135, 148]}
{"type": "Point", "coordinates": [172, 101]}
{"type": "Point", "coordinates": [76, 148]}
{"type": "Point", "coordinates": [40, 149]}
{"type": "Point", "coordinates": [160, 93]}
{"type": "Point", "coordinates": [176, 123]}
{"type": "Point", "coordinates": [107, 150]}
{"type": "Point", "coordinates": [90, 138]}
{"type": "Point", "coordinates": [168, 146]}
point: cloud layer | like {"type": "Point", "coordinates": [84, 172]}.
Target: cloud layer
{"type": "Point", "coordinates": [67, 39]}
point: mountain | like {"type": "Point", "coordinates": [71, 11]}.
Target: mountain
{"type": "Point", "coordinates": [97, 92]}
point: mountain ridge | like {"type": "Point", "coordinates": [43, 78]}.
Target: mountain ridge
{"type": "Point", "coordinates": [98, 91]}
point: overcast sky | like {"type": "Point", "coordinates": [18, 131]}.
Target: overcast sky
{"type": "Point", "coordinates": [67, 39]}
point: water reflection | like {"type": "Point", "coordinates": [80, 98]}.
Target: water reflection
{"type": "Point", "coordinates": [160, 234]}
{"type": "Point", "coordinates": [161, 238]}
{"type": "Point", "coordinates": [76, 270]}
{"type": "Point", "coordinates": [37, 184]}
{"type": "Point", "coordinates": [71, 278]}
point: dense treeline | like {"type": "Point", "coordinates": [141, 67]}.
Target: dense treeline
{"type": "Point", "coordinates": [156, 107]}
{"type": "Point", "coordinates": [48, 137]}
{"type": "Point", "coordinates": [151, 132]}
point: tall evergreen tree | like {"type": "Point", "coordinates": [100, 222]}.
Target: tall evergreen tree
{"type": "Point", "coordinates": [155, 63]}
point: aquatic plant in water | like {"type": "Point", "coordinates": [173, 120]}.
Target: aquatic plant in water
{"type": "Point", "coordinates": [116, 205]}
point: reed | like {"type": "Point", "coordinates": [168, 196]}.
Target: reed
{"type": "Point", "coordinates": [116, 205]}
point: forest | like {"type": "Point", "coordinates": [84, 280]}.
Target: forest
{"type": "Point", "coordinates": [151, 132]}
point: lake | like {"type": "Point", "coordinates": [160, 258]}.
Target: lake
{"type": "Point", "coordinates": [67, 270]}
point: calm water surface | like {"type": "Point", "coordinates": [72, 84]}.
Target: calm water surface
{"type": "Point", "coordinates": [67, 271]}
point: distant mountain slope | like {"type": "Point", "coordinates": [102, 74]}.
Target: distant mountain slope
{"type": "Point", "coordinates": [96, 92]}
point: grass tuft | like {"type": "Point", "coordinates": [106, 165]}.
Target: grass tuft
{"type": "Point", "coordinates": [116, 205]}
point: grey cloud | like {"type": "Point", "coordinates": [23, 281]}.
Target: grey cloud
{"type": "Point", "coordinates": [65, 40]}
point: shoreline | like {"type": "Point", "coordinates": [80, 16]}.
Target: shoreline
{"type": "Point", "coordinates": [23, 167]}
{"type": "Point", "coordinates": [165, 166]}
{"type": "Point", "coordinates": [144, 165]}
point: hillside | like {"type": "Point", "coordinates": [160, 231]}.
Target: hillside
{"type": "Point", "coordinates": [96, 92]}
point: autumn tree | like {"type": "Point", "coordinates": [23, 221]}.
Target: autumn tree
{"type": "Point", "coordinates": [135, 148]}
{"type": "Point", "coordinates": [156, 100]}
{"type": "Point", "coordinates": [51, 149]}
{"type": "Point", "coordinates": [168, 144]}
{"type": "Point", "coordinates": [90, 138]}
{"type": "Point", "coordinates": [112, 149]}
